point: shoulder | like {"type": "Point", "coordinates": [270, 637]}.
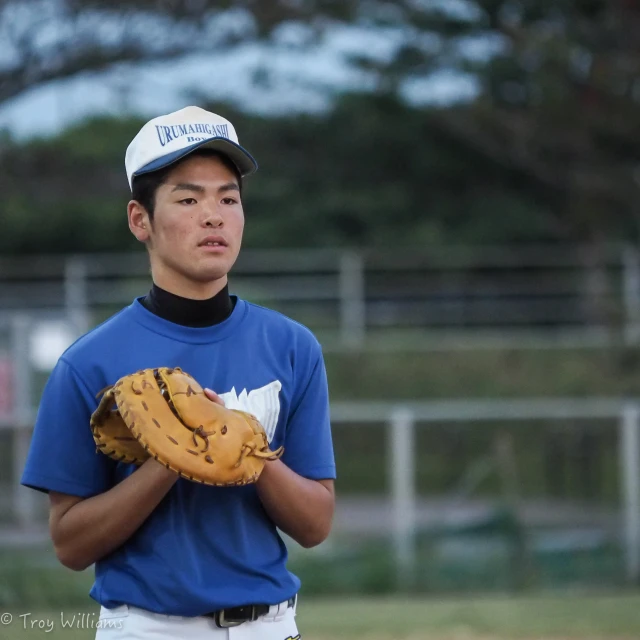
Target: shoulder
{"type": "Point", "coordinates": [98, 338]}
{"type": "Point", "coordinates": [276, 323]}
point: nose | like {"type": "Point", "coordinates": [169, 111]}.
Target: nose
{"type": "Point", "coordinates": [212, 218]}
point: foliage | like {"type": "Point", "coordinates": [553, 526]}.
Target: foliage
{"type": "Point", "coordinates": [558, 89]}
{"type": "Point", "coordinates": [544, 149]}
{"type": "Point", "coordinates": [371, 172]}
{"type": "Point", "coordinates": [475, 557]}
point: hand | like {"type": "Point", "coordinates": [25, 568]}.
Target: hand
{"type": "Point", "coordinates": [213, 396]}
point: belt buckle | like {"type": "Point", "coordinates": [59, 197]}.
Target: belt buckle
{"type": "Point", "coordinates": [223, 623]}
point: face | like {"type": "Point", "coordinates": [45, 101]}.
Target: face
{"type": "Point", "coordinates": [197, 227]}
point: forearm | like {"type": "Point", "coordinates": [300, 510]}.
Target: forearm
{"type": "Point", "coordinates": [94, 527]}
{"type": "Point", "coordinates": [300, 507]}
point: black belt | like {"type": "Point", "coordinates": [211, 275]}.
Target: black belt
{"type": "Point", "coordinates": [247, 613]}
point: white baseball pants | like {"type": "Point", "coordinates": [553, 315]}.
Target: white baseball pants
{"type": "Point", "coordinates": [131, 623]}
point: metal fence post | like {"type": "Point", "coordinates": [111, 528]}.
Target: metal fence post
{"type": "Point", "coordinates": [24, 504]}
{"type": "Point", "coordinates": [352, 304]}
{"type": "Point", "coordinates": [402, 474]}
{"type": "Point", "coordinates": [631, 294]}
{"type": "Point", "coordinates": [630, 480]}
{"type": "Point", "coordinates": [75, 291]}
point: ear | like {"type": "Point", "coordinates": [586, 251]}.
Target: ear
{"type": "Point", "coordinates": [139, 222]}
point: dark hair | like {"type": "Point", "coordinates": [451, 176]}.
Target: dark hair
{"type": "Point", "coordinates": [144, 186]}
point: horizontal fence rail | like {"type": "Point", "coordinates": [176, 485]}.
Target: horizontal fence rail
{"type": "Point", "coordinates": [478, 411]}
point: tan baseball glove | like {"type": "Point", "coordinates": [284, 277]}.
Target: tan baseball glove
{"type": "Point", "coordinates": [164, 414]}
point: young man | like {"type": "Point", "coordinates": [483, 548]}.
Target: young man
{"type": "Point", "coordinates": [173, 558]}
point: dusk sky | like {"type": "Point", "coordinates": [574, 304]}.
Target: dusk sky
{"type": "Point", "coordinates": [296, 82]}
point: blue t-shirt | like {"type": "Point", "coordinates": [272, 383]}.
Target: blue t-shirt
{"type": "Point", "coordinates": [203, 548]}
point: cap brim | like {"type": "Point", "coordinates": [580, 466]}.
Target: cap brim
{"type": "Point", "coordinates": [238, 155]}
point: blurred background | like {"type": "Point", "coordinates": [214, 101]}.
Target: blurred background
{"type": "Point", "coordinates": [448, 196]}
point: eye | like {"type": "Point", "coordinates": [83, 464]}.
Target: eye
{"type": "Point", "coordinates": [188, 201]}
{"type": "Point", "coordinates": [229, 201]}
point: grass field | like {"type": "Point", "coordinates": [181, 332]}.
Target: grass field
{"type": "Point", "coordinates": [550, 617]}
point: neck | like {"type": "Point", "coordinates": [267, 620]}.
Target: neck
{"type": "Point", "coordinates": [186, 288]}
{"type": "Point", "coordinates": [189, 312]}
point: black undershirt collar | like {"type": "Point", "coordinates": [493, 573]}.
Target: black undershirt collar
{"type": "Point", "coordinates": [188, 312]}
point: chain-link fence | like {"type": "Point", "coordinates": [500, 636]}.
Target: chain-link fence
{"type": "Point", "coordinates": [475, 495]}
{"type": "Point", "coordinates": [453, 496]}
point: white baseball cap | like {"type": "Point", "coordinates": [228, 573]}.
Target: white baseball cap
{"type": "Point", "coordinates": [168, 138]}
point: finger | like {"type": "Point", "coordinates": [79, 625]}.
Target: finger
{"type": "Point", "coordinates": [213, 396]}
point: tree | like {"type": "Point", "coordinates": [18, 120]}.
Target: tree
{"type": "Point", "coordinates": [557, 84]}
{"type": "Point", "coordinates": [558, 93]}
{"type": "Point", "coordinates": [47, 40]}
{"type": "Point", "coordinates": [372, 172]}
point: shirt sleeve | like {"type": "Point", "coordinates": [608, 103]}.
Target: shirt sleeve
{"type": "Point", "coordinates": [62, 454]}
{"type": "Point", "coordinates": [308, 441]}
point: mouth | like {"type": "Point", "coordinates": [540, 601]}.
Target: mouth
{"type": "Point", "coordinates": [217, 242]}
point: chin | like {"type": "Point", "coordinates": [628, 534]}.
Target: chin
{"type": "Point", "coordinates": [209, 275]}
